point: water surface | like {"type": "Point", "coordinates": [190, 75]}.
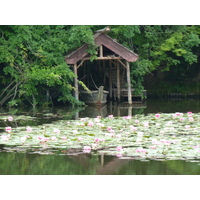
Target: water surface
{"type": "Point", "coordinates": [86, 164]}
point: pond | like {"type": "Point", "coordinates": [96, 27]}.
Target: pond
{"type": "Point", "coordinates": [36, 161]}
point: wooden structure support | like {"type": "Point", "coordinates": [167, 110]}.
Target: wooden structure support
{"type": "Point", "coordinates": [118, 82]}
{"type": "Point", "coordinates": [76, 82]}
{"type": "Point", "coordinates": [110, 79]}
{"type": "Point", "coordinates": [111, 57]}
{"type": "Point", "coordinates": [129, 82]}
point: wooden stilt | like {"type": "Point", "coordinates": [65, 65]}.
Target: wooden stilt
{"type": "Point", "coordinates": [76, 82]}
{"type": "Point", "coordinates": [118, 82]}
{"type": "Point", "coordinates": [129, 82]}
{"type": "Point", "coordinates": [130, 110]}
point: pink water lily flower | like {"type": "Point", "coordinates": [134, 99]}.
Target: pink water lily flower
{"type": "Point", "coordinates": [155, 141]}
{"type": "Point", "coordinates": [5, 137]}
{"type": "Point", "coordinates": [80, 139]}
{"type": "Point", "coordinates": [127, 117]}
{"type": "Point", "coordinates": [10, 118]}
{"type": "Point", "coordinates": [179, 114]}
{"type": "Point", "coordinates": [187, 126]}
{"type": "Point", "coordinates": [167, 143]}
{"type": "Point", "coordinates": [189, 114]}
{"type": "Point", "coordinates": [55, 130]}
{"type": "Point", "coordinates": [63, 138]}
{"type": "Point", "coordinates": [169, 123]}
{"type": "Point", "coordinates": [191, 119]}
{"type": "Point", "coordinates": [86, 149]}
{"type": "Point", "coordinates": [90, 123]}
{"type": "Point", "coordinates": [53, 138]}
{"type": "Point", "coordinates": [133, 128]}
{"type": "Point", "coordinates": [8, 129]}
{"type": "Point", "coordinates": [162, 140]}
{"type": "Point", "coordinates": [157, 115]}
{"type": "Point", "coordinates": [118, 136]}
{"type": "Point", "coordinates": [110, 116]}
{"type": "Point", "coordinates": [45, 139]}
{"type": "Point", "coordinates": [28, 129]}
{"type": "Point", "coordinates": [140, 150]}
{"type": "Point", "coordinates": [119, 148]}
{"type": "Point", "coordinates": [181, 119]}
{"type": "Point", "coordinates": [109, 128]}
{"type": "Point", "coordinates": [40, 137]}
{"type": "Point", "coordinates": [96, 139]}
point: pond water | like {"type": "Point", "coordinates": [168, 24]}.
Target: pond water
{"type": "Point", "coordinates": [15, 163]}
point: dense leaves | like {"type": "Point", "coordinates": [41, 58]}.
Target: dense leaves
{"type": "Point", "coordinates": [33, 69]}
{"type": "Point", "coordinates": [32, 58]}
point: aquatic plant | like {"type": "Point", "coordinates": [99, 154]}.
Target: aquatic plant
{"type": "Point", "coordinates": [152, 136]}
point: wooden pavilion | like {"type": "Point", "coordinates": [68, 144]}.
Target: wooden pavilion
{"type": "Point", "coordinates": [113, 62]}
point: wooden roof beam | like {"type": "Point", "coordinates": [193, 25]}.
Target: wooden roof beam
{"type": "Point", "coordinates": [104, 58]}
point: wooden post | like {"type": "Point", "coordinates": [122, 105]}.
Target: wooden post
{"type": "Point", "coordinates": [110, 80]}
{"type": "Point", "coordinates": [102, 159]}
{"type": "Point", "coordinates": [118, 82]}
{"type": "Point", "coordinates": [101, 51]}
{"type": "Point", "coordinates": [76, 81]}
{"type": "Point", "coordinates": [104, 76]}
{"type": "Point", "coordinates": [129, 82]}
{"type": "Point", "coordinates": [130, 111]}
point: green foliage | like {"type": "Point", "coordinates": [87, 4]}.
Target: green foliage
{"type": "Point", "coordinates": [160, 47]}
{"type": "Point", "coordinates": [32, 62]}
{"type": "Point", "coordinates": [33, 57]}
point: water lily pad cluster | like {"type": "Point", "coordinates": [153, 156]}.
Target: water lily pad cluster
{"type": "Point", "coordinates": [157, 136]}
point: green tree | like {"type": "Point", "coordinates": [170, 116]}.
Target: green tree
{"type": "Point", "coordinates": [33, 69]}
{"type": "Point", "coordinates": [160, 47]}
{"type": "Point", "coordinates": [33, 62]}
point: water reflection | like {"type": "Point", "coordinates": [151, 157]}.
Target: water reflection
{"type": "Point", "coordinates": [33, 164]}
{"type": "Point", "coordinates": [152, 106]}
{"type": "Point", "coordinates": [21, 163]}
{"type": "Point", "coordinates": [67, 112]}
{"type": "Point", "coordinates": [113, 109]}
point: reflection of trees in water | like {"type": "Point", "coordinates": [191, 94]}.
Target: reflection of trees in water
{"type": "Point", "coordinates": [103, 165]}
{"type": "Point", "coordinates": [112, 109]}
{"type": "Point", "coordinates": [87, 164]}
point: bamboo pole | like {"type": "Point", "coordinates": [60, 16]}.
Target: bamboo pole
{"type": "Point", "coordinates": [76, 82]}
{"type": "Point", "coordinates": [129, 82]}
